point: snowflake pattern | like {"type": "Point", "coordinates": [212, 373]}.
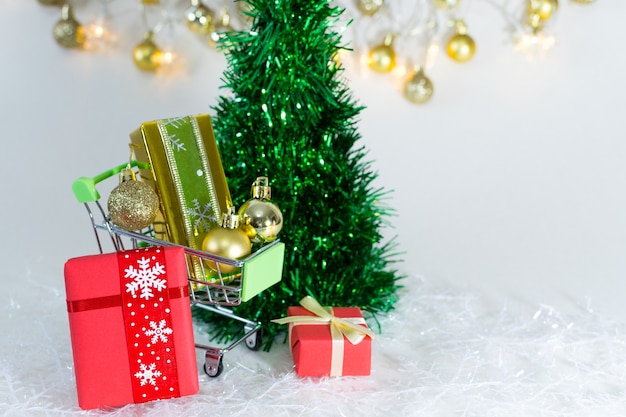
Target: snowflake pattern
{"type": "Point", "coordinates": [145, 278]}
{"type": "Point", "coordinates": [177, 122]}
{"type": "Point", "coordinates": [176, 143]}
{"type": "Point", "coordinates": [202, 216]}
{"type": "Point", "coordinates": [147, 374]}
{"type": "Point", "coordinates": [158, 332]}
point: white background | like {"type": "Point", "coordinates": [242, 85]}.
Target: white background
{"type": "Point", "coordinates": [511, 181]}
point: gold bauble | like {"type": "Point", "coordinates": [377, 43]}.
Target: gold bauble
{"type": "Point", "coordinates": [261, 219]}
{"type": "Point", "coordinates": [147, 55]}
{"type": "Point", "coordinates": [68, 32]}
{"type": "Point", "coordinates": [419, 88]}
{"type": "Point", "coordinates": [369, 7]}
{"type": "Point", "coordinates": [544, 9]}
{"type": "Point", "coordinates": [382, 58]}
{"type": "Point", "coordinates": [446, 4]}
{"type": "Point", "coordinates": [461, 48]}
{"type": "Point", "coordinates": [227, 241]}
{"type": "Point", "coordinates": [133, 205]}
{"type": "Point", "coordinates": [200, 18]}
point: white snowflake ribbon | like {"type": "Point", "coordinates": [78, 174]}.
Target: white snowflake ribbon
{"type": "Point", "coordinates": [145, 278]}
{"type": "Point", "coordinates": [158, 332]}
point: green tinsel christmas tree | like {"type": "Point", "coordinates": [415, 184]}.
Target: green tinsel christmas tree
{"type": "Point", "coordinates": [291, 118]}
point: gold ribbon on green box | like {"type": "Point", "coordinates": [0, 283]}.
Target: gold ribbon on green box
{"type": "Point", "coordinates": [186, 172]}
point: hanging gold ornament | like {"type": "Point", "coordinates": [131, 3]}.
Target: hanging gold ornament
{"type": "Point", "coordinates": [68, 32]}
{"type": "Point", "coordinates": [228, 241]}
{"type": "Point", "coordinates": [133, 205]}
{"type": "Point", "coordinates": [461, 47]}
{"type": "Point", "coordinates": [261, 219]}
{"type": "Point", "coordinates": [200, 18]}
{"type": "Point", "coordinates": [447, 4]}
{"type": "Point", "coordinates": [418, 89]}
{"type": "Point", "coordinates": [382, 58]}
{"type": "Point", "coordinates": [147, 55]}
{"type": "Point", "coordinates": [369, 7]}
{"type": "Point", "coordinates": [544, 9]}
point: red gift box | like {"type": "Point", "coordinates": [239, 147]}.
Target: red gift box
{"type": "Point", "coordinates": [130, 326]}
{"type": "Point", "coordinates": [319, 350]}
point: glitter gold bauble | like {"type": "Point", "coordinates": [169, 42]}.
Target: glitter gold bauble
{"type": "Point", "coordinates": [418, 89]}
{"type": "Point", "coordinates": [544, 9]}
{"type": "Point", "coordinates": [369, 7]}
{"type": "Point", "coordinates": [133, 205]}
{"type": "Point", "coordinates": [200, 18]}
{"type": "Point", "coordinates": [261, 219]}
{"type": "Point", "coordinates": [461, 47]}
{"type": "Point", "coordinates": [68, 32]}
{"type": "Point", "coordinates": [227, 241]}
{"type": "Point", "coordinates": [147, 55]}
{"type": "Point", "coordinates": [447, 4]}
{"type": "Point", "coordinates": [382, 58]}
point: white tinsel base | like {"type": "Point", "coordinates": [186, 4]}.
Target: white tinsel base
{"type": "Point", "coordinates": [441, 353]}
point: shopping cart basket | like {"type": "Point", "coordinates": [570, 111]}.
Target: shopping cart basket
{"type": "Point", "coordinates": [209, 289]}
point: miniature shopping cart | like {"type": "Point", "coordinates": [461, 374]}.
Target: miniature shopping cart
{"type": "Point", "coordinates": [209, 289]}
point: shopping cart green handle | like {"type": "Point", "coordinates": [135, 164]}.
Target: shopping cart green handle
{"type": "Point", "coordinates": [84, 188]}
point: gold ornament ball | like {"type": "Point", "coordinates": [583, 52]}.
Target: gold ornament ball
{"type": "Point", "coordinates": [447, 4]}
{"type": "Point", "coordinates": [68, 32]}
{"type": "Point", "coordinates": [544, 9]}
{"type": "Point", "coordinates": [133, 205]}
{"type": "Point", "coordinates": [200, 18]}
{"type": "Point", "coordinates": [369, 7]}
{"type": "Point", "coordinates": [147, 55]}
{"type": "Point", "coordinates": [228, 243]}
{"type": "Point", "coordinates": [382, 58]}
{"type": "Point", "coordinates": [419, 88]}
{"type": "Point", "coordinates": [461, 47]}
{"type": "Point", "coordinates": [261, 220]}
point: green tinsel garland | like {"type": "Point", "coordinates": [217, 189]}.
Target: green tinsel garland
{"type": "Point", "coordinates": [292, 119]}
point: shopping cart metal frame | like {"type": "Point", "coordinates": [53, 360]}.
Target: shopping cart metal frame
{"type": "Point", "coordinates": [209, 288]}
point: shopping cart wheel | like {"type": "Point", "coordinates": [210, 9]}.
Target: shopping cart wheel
{"type": "Point", "coordinates": [212, 370]}
{"type": "Point", "coordinates": [253, 342]}
{"type": "Point", "coordinates": [213, 365]}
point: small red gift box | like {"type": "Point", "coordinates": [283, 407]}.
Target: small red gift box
{"type": "Point", "coordinates": [323, 343]}
{"type": "Point", "coordinates": [130, 325]}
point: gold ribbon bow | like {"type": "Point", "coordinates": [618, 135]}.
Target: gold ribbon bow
{"type": "Point", "coordinates": [339, 327]}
